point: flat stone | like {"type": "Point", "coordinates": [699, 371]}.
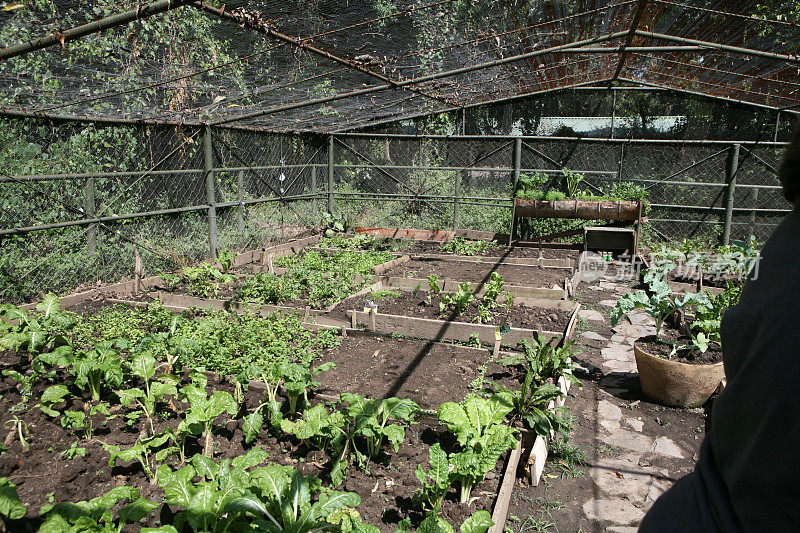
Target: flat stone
{"type": "Point", "coordinates": [641, 319]}
{"type": "Point", "coordinates": [593, 335]}
{"type": "Point", "coordinates": [622, 529]}
{"type": "Point", "coordinates": [591, 314]}
{"type": "Point", "coordinates": [634, 424]}
{"type": "Point", "coordinates": [665, 446]}
{"type": "Point", "coordinates": [624, 367]}
{"type": "Point", "coordinates": [608, 303]}
{"type": "Point", "coordinates": [630, 441]}
{"type": "Point", "coordinates": [608, 410]}
{"type": "Point", "coordinates": [557, 288]}
{"type": "Point", "coordinates": [618, 352]}
{"type": "Point", "coordinates": [616, 511]}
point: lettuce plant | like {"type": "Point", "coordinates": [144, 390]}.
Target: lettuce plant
{"type": "Point", "coordinates": [459, 299]}
{"type": "Point", "coordinates": [149, 452]}
{"type": "Point", "coordinates": [492, 290]}
{"type": "Point", "coordinates": [203, 409]}
{"type": "Point", "coordinates": [436, 481]}
{"type": "Point", "coordinates": [478, 426]}
{"type": "Point", "coordinates": [36, 333]}
{"type": "Point", "coordinates": [144, 366]}
{"type": "Point", "coordinates": [99, 369]}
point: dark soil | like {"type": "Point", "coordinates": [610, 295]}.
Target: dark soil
{"type": "Point", "coordinates": [43, 473]}
{"type": "Point", "coordinates": [428, 247]}
{"type": "Point", "coordinates": [521, 315]}
{"type": "Point", "coordinates": [692, 356]}
{"type": "Point", "coordinates": [430, 373]}
{"type": "Point", "coordinates": [480, 272]}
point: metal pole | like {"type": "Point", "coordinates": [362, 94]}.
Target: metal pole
{"type": "Point", "coordinates": [730, 177]}
{"type": "Point", "coordinates": [613, 110]}
{"type": "Point", "coordinates": [90, 210]}
{"type": "Point", "coordinates": [330, 174]}
{"type": "Point", "coordinates": [240, 197]}
{"type": "Point", "coordinates": [208, 171]}
{"type": "Point", "coordinates": [314, 187]}
{"type": "Point", "coordinates": [514, 182]}
{"type": "Point", "coordinates": [93, 27]}
{"type": "Point", "coordinates": [777, 125]}
{"type": "Point", "coordinates": [456, 194]}
{"type": "Point", "coordinates": [754, 200]}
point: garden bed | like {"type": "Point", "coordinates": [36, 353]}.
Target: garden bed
{"type": "Point", "coordinates": [43, 475]}
{"type": "Point", "coordinates": [522, 314]}
{"type": "Point", "coordinates": [480, 272]}
{"type": "Point", "coordinates": [426, 372]}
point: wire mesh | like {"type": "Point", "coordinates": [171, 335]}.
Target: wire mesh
{"type": "Point", "coordinates": [145, 188]}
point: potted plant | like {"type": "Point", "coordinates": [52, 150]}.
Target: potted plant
{"type": "Point", "coordinates": [681, 365]}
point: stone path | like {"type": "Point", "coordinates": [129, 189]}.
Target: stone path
{"type": "Point", "coordinates": [635, 449]}
{"type": "Point", "coordinates": [626, 488]}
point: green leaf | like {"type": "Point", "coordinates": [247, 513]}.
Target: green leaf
{"type": "Point", "coordinates": [143, 365]}
{"type": "Point", "coordinates": [11, 506]}
{"type": "Point", "coordinates": [49, 306]}
{"type": "Point", "coordinates": [254, 457]}
{"type": "Point", "coordinates": [479, 522]}
{"type": "Point", "coordinates": [252, 425]}
{"type": "Point", "coordinates": [333, 501]}
{"type": "Point", "coordinates": [51, 396]}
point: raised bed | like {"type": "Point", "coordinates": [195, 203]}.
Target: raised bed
{"type": "Point", "coordinates": [442, 330]}
{"type": "Point", "coordinates": [578, 209]}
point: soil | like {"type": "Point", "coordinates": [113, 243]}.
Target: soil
{"type": "Point", "coordinates": [480, 272]}
{"type": "Point", "coordinates": [428, 247]}
{"type": "Point", "coordinates": [430, 373]}
{"type": "Point", "coordinates": [43, 473]}
{"type": "Point", "coordinates": [521, 316]}
{"type": "Point", "coordinates": [656, 347]}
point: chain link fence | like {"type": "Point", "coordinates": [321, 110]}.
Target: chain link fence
{"type": "Point", "coordinates": [79, 201]}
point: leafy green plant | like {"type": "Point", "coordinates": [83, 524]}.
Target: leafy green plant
{"type": "Point", "coordinates": [373, 420]}
{"type": "Point", "coordinates": [660, 304]}
{"type": "Point", "coordinates": [205, 279]}
{"type": "Point", "coordinates": [436, 481]}
{"type": "Point", "coordinates": [35, 333]}
{"type": "Point", "coordinates": [205, 504]}
{"type": "Point", "coordinates": [144, 366]}
{"type": "Point", "coordinates": [492, 289]}
{"type": "Point", "coordinates": [478, 426]}
{"type": "Point", "coordinates": [225, 259]}
{"type": "Point", "coordinates": [708, 316]}
{"type": "Point", "coordinates": [572, 181]}
{"type": "Point", "coordinates": [99, 369]}
{"type": "Point", "coordinates": [11, 507]}
{"type": "Point", "coordinates": [149, 452]}
{"type": "Point", "coordinates": [462, 246]}
{"type": "Point", "coordinates": [484, 314]}
{"type": "Point", "coordinates": [73, 451]}
{"type": "Point", "coordinates": [478, 522]}
{"type": "Point", "coordinates": [20, 428]}
{"type": "Point", "coordinates": [286, 505]}
{"type": "Point", "coordinates": [460, 299]}
{"type": "Point", "coordinates": [82, 421]}
{"type": "Point", "coordinates": [509, 301]}
{"type": "Point", "coordinates": [52, 396]}
{"type": "Point", "coordinates": [203, 409]}
{"type": "Point", "coordinates": [316, 427]}
{"type": "Point", "coordinates": [96, 515]}
{"type": "Point", "coordinates": [269, 289]}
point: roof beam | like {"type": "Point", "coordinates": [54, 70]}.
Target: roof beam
{"type": "Point", "coordinates": [706, 95]}
{"type": "Point", "coordinates": [633, 49]}
{"type": "Point", "coordinates": [623, 55]}
{"type": "Point", "coordinates": [411, 116]}
{"type": "Point", "coordinates": [102, 24]}
{"type": "Point", "coordinates": [252, 21]}
{"type": "Point", "coordinates": [414, 81]}
{"type": "Point", "coordinates": [793, 59]}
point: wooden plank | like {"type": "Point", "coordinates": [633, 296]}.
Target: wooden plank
{"type": "Point", "coordinates": [509, 480]}
{"type": "Point", "coordinates": [440, 330]}
{"type": "Point", "coordinates": [67, 301]}
{"type": "Point", "coordinates": [388, 265]}
{"type": "Point", "coordinates": [415, 234]}
{"type": "Point", "coordinates": [578, 209]}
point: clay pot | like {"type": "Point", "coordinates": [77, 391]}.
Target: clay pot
{"type": "Point", "coordinates": [676, 384]}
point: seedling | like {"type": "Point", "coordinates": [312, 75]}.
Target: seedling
{"type": "Point", "coordinates": [19, 427]}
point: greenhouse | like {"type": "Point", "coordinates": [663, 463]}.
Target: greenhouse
{"type": "Point", "coordinates": [393, 265]}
